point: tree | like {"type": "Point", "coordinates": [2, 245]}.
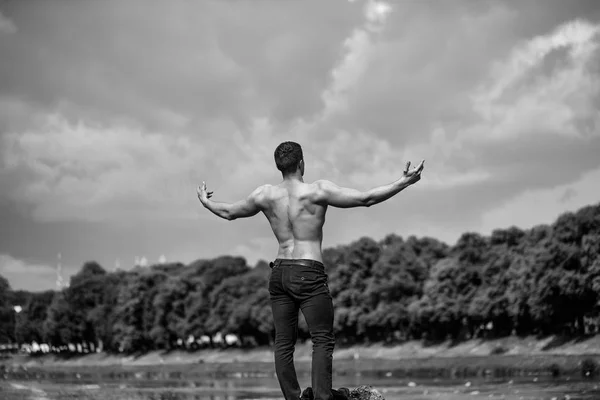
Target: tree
{"type": "Point", "coordinates": [7, 315]}
{"type": "Point", "coordinates": [30, 321]}
{"type": "Point", "coordinates": [240, 305]}
{"type": "Point", "coordinates": [62, 326]}
{"type": "Point", "coordinates": [348, 281]}
{"type": "Point", "coordinates": [205, 276]}
{"type": "Point", "coordinates": [440, 312]}
{"type": "Point", "coordinates": [169, 303]}
{"type": "Point", "coordinates": [86, 297]}
{"type": "Point", "coordinates": [397, 279]}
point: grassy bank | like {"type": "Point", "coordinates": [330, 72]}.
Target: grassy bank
{"type": "Point", "coordinates": [503, 348]}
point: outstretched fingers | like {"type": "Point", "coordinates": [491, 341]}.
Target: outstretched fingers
{"type": "Point", "coordinates": [202, 189]}
{"type": "Point", "coordinates": [415, 171]}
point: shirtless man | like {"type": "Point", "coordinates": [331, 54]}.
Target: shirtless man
{"type": "Point", "coordinates": [298, 281]}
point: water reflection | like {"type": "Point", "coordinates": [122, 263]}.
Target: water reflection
{"type": "Point", "coordinates": [230, 390]}
{"type": "Point", "coordinates": [258, 383]}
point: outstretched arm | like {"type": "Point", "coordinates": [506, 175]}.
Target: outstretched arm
{"type": "Point", "coordinates": [230, 211]}
{"type": "Point", "coordinates": [331, 194]}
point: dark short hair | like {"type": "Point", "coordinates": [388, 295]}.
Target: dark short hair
{"type": "Point", "coordinates": [287, 156]}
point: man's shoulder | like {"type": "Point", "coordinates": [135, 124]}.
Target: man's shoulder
{"type": "Point", "coordinates": [321, 189]}
{"type": "Point", "coordinates": [265, 192]}
{"type": "Point", "coordinates": [323, 184]}
{"type": "Point", "coordinates": [262, 190]}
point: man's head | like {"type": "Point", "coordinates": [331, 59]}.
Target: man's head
{"type": "Point", "coordinates": [289, 158]}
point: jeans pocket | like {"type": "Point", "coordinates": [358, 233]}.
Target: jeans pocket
{"type": "Point", "coordinates": [309, 276]}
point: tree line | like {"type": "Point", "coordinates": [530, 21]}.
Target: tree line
{"type": "Point", "coordinates": [539, 281]}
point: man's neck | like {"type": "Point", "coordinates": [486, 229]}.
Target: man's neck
{"type": "Point", "coordinates": [295, 177]}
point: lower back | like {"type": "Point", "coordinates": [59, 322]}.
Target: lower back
{"type": "Point", "coordinates": [307, 249]}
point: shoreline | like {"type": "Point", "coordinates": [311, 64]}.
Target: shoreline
{"type": "Point", "coordinates": [412, 350]}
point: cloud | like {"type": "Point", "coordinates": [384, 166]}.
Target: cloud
{"type": "Point", "coordinates": [188, 63]}
{"type": "Point", "coordinates": [26, 276]}
{"type": "Point", "coordinates": [78, 170]}
{"type": "Point", "coordinates": [356, 58]}
{"type": "Point", "coordinates": [508, 111]}
{"type": "Point", "coordinates": [534, 107]}
{"type": "Point", "coordinates": [326, 152]}
{"type": "Point", "coordinates": [518, 118]}
{"type": "Point", "coordinates": [133, 129]}
{"type": "Point", "coordinates": [6, 25]}
{"type": "Point", "coordinates": [539, 206]}
{"type": "Point", "coordinates": [92, 171]}
{"type": "Point", "coordinates": [327, 147]}
{"type": "Point", "coordinates": [576, 36]}
{"type": "Point", "coordinates": [528, 126]}
{"type": "Point", "coordinates": [532, 93]}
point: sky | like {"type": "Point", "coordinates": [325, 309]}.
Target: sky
{"type": "Point", "coordinates": [113, 112]}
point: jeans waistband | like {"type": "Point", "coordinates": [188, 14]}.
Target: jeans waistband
{"type": "Point", "coordinates": [298, 261]}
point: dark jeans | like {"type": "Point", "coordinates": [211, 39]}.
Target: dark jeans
{"type": "Point", "coordinates": [294, 285]}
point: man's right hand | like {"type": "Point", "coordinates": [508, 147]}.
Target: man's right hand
{"type": "Point", "coordinates": [412, 176]}
{"type": "Point", "coordinates": [203, 194]}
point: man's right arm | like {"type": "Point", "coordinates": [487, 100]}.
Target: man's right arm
{"type": "Point", "coordinates": [331, 194]}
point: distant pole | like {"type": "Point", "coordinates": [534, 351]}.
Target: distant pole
{"type": "Point", "coordinates": [59, 278]}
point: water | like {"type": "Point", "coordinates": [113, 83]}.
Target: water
{"type": "Point", "coordinates": [216, 382]}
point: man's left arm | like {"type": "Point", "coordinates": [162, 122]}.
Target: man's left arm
{"type": "Point", "coordinates": [247, 207]}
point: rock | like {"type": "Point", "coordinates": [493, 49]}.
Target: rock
{"type": "Point", "coordinates": [365, 392]}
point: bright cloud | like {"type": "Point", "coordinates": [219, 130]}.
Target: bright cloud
{"type": "Point", "coordinates": [82, 171]}
{"type": "Point", "coordinates": [356, 58]}
{"type": "Point", "coordinates": [527, 94]}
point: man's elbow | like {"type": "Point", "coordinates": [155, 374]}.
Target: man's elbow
{"type": "Point", "coordinates": [367, 200]}
{"type": "Point", "coordinates": [227, 215]}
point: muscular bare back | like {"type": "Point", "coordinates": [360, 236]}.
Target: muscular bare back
{"type": "Point", "coordinates": [296, 210]}
{"type": "Point", "coordinates": [296, 218]}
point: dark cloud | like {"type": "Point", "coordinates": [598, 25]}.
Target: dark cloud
{"type": "Point", "coordinates": [206, 60]}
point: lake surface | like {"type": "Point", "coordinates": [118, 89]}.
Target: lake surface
{"type": "Point", "coordinates": [215, 382]}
